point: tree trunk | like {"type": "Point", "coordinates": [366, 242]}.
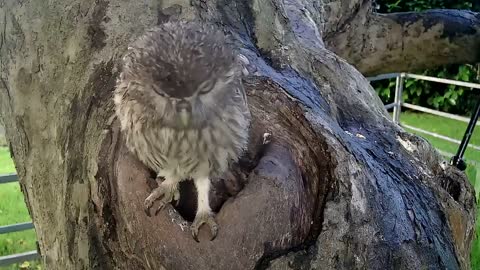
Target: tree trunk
{"type": "Point", "coordinates": [340, 186]}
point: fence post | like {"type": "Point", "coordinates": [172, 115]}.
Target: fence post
{"type": "Point", "coordinates": [398, 98]}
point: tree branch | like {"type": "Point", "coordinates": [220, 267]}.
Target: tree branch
{"type": "Point", "coordinates": [382, 43]}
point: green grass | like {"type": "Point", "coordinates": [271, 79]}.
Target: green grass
{"type": "Point", "coordinates": [447, 127]}
{"type": "Point", "coordinates": [453, 129]}
{"type": "Point", "coordinates": [13, 210]}
{"type": "Point", "coordinates": [6, 163]}
{"type": "Point", "coordinates": [450, 128]}
{"type": "Point", "coordinates": [3, 141]}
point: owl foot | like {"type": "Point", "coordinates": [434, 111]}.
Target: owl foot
{"type": "Point", "coordinates": [168, 191]}
{"type": "Point", "coordinates": [204, 218]}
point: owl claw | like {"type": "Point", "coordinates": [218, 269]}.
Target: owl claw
{"type": "Point", "coordinates": [149, 203]}
{"type": "Point", "coordinates": [204, 218]}
{"type": "Point", "coordinates": [168, 192]}
{"type": "Point", "coordinates": [160, 207]}
{"type": "Point", "coordinates": [147, 211]}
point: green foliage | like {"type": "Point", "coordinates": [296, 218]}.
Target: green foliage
{"type": "Point", "coordinates": [388, 6]}
{"type": "Point", "coordinates": [448, 98]}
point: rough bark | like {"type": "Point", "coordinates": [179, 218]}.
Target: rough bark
{"type": "Point", "coordinates": [410, 41]}
{"type": "Point", "coordinates": [339, 187]}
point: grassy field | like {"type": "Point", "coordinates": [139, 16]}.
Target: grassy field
{"type": "Point", "coordinates": [13, 210]}
{"type": "Point", "coordinates": [453, 129]}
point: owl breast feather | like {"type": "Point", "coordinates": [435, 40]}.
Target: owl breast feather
{"type": "Point", "coordinates": [185, 153]}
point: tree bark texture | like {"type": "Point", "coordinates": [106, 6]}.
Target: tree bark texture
{"type": "Point", "coordinates": [410, 41]}
{"type": "Point", "coordinates": [340, 186]}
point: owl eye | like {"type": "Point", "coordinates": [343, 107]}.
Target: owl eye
{"type": "Point", "coordinates": [158, 91]}
{"type": "Point", "coordinates": [205, 87]}
{"type": "Point", "coordinates": [204, 91]}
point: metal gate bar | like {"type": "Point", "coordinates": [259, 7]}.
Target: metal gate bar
{"type": "Point", "coordinates": [19, 257]}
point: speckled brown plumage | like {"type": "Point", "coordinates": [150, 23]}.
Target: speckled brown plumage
{"type": "Point", "coordinates": [183, 109]}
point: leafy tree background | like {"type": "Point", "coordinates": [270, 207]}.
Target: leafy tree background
{"type": "Point", "coordinates": [448, 98]}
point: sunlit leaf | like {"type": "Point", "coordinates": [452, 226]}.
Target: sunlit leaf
{"type": "Point", "coordinates": [25, 265]}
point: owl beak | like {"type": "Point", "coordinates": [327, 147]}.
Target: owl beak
{"type": "Point", "coordinates": [183, 109]}
{"type": "Point", "coordinates": [184, 117]}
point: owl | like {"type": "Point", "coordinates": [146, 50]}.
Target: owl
{"type": "Point", "coordinates": [183, 110]}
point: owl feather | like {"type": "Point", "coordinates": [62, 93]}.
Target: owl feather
{"type": "Point", "coordinates": [183, 109]}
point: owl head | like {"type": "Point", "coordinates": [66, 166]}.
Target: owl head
{"type": "Point", "coordinates": [185, 72]}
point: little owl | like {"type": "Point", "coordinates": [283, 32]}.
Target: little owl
{"type": "Point", "coordinates": [183, 110]}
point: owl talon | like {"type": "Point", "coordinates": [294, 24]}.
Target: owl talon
{"type": "Point", "coordinates": [160, 207]}
{"type": "Point", "coordinates": [149, 203]}
{"type": "Point", "coordinates": [204, 218]}
{"type": "Point", "coordinates": [169, 192]}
